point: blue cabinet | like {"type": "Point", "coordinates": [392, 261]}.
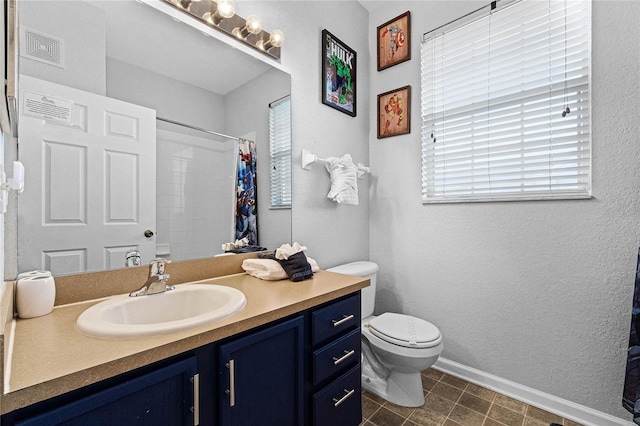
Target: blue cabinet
{"type": "Point", "coordinates": [301, 370]}
{"type": "Point", "coordinates": [164, 396]}
{"type": "Point", "coordinates": [335, 386]}
{"type": "Point", "coordinates": [261, 377]}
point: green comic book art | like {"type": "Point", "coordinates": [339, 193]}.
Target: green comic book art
{"type": "Point", "coordinates": [339, 75]}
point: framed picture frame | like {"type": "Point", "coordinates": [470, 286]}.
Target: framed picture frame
{"type": "Point", "coordinates": [394, 112]}
{"type": "Point", "coordinates": [394, 41]}
{"type": "Point", "coordinates": [338, 74]}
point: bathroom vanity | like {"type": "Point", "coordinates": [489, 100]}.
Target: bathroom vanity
{"type": "Point", "coordinates": [290, 357]}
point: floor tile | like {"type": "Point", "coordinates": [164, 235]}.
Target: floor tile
{"type": "Point", "coordinates": [506, 416]}
{"type": "Point", "coordinates": [475, 403]}
{"type": "Point", "coordinates": [466, 417]}
{"type": "Point", "coordinates": [454, 381]}
{"type": "Point", "coordinates": [511, 404]}
{"type": "Point", "coordinates": [423, 416]}
{"type": "Point", "coordinates": [447, 391]}
{"type": "Point", "coordinates": [490, 422]}
{"type": "Point", "coordinates": [427, 382]}
{"type": "Point", "coordinates": [530, 421]}
{"type": "Point", "coordinates": [368, 407]}
{"type": "Point", "coordinates": [403, 411]}
{"type": "Point", "coordinates": [439, 404]}
{"type": "Point", "coordinates": [481, 392]}
{"type": "Point", "coordinates": [542, 415]}
{"type": "Point", "coordinates": [450, 401]}
{"type": "Point", "coordinates": [432, 374]}
{"type": "Point", "coordinates": [387, 418]}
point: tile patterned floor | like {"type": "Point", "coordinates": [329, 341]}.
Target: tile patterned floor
{"type": "Point", "coordinates": [450, 401]}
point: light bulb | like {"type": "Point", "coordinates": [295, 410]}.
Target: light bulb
{"type": "Point", "coordinates": [276, 39]}
{"type": "Point", "coordinates": [253, 25]}
{"type": "Point", "coordinates": [185, 4]}
{"type": "Point", "coordinates": [226, 8]}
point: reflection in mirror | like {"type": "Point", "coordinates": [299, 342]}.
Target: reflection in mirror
{"type": "Point", "coordinates": [110, 177]}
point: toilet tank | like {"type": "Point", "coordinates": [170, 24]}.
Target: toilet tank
{"type": "Point", "coordinates": [363, 269]}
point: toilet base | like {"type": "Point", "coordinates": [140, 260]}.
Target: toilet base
{"type": "Point", "coordinates": [400, 388]}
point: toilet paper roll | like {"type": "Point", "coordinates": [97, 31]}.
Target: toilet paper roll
{"type": "Point", "coordinates": [35, 295]}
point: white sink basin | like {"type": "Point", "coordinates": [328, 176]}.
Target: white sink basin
{"type": "Point", "coordinates": [187, 306]}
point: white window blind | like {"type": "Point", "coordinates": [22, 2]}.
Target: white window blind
{"type": "Point", "coordinates": [493, 95]}
{"type": "Point", "coordinates": [280, 152]}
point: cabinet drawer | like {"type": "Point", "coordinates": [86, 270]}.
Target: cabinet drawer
{"type": "Point", "coordinates": [336, 357]}
{"type": "Point", "coordinates": [335, 319]}
{"type": "Point", "coordinates": [340, 403]}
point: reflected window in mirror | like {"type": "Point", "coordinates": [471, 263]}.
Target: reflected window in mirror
{"type": "Point", "coordinates": [280, 152]}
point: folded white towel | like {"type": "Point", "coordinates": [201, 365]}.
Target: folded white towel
{"type": "Point", "coordinates": [284, 251]}
{"type": "Point", "coordinates": [344, 180]}
{"type": "Point", "coordinates": [269, 269]}
{"type": "Point", "coordinates": [235, 245]}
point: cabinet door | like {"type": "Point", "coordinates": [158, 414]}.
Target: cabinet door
{"type": "Point", "coordinates": [262, 377]}
{"type": "Point", "coordinates": [162, 397]}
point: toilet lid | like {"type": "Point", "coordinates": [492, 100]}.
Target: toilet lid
{"type": "Point", "coordinates": [405, 330]}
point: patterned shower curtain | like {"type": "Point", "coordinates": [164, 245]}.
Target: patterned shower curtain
{"type": "Point", "coordinates": [631, 394]}
{"type": "Point", "coordinates": [246, 193]}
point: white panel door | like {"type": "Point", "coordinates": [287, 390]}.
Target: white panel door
{"type": "Point", "coordinates": [90, 183]}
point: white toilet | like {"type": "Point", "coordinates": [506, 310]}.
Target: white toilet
{"type": "Point", "coordinates": [395, 347]}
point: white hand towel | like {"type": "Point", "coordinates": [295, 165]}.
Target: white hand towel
{"type": "Point", "coordinates": [344, 180]}
{"type": "Point", "coordinates": [269, 269]}
{"type": "Point", "coordinates": [284, 251]}
{"type": "Point", "coordinates": [235, 245]}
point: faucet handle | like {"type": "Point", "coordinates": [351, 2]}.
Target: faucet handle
{"type": "Point", "coordinates": [157, 266]}
{"type": "Point", "coordinates": [132, 258]}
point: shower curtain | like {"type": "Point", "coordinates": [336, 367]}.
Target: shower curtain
{"type": "Point", "coordinates": [631, 393]}
{"type": "Point", "coordinates": [246, 193]}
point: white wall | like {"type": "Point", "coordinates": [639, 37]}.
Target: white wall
{"type": "Point", "coordinates": [538, 293]}
{"type": "Point", "coordinates": [243, 118]}
{"type": "Point", "coordinates": [81, 27]}
{"type": "Point", "coordinates": [333, 233]}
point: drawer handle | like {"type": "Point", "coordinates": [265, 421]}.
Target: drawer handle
{"type": "Point", "coordinates": [342, 321]}
{"type": "Point", "coordinates": [346, 355]}
{"type": "Point", "coordinates": [347, 395]}
{"type": "Point", "coordinates": [196, 399]}
{"type": "Point", "coordinates": [232, 383]}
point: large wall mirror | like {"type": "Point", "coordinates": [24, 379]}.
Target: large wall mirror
{"type": "Point", "coordinates": [105, 174]}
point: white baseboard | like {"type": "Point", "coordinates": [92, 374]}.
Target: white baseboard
{"type": "Point", "coordinates": [561, 407]}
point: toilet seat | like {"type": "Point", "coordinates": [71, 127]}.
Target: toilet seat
{"type": "Point", "coordinates": [405, 330]}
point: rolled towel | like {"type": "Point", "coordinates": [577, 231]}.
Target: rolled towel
{"type": "Point", "coordinates": [270, 269]}
{"type": "Point", "coordinates": [284, 251]}
{"type": "Point", "coordinates": [344, 180]}
{"type": "Point", "coordinates": [265, 269]}
{"type": "Point", "coordinates": [297, 267]}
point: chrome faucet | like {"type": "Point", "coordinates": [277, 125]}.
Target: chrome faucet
{"type": "Point", "coordinates": [132, 258]}
{"type": "Point", "coordinates": [157, 281]}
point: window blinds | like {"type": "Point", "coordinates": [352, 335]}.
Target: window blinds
{"type": "Point", "coordinates": [280, 153]}
{"type": "Point", "coordinates": [505, 105]}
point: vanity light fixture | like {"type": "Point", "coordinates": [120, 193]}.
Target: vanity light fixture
{"type": "Point", "coordinates": [253, 25]}
{"type": "Point", "coordinates": [224, 9]}
{"type": "Point", "coordinates": [221, 15]}
{"type": "Point", "coordinates": [185, 4]}
{"type": "Point", "coordinates": [276, 39]}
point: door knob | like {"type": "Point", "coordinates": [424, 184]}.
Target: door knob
{"type": "Point", "coordinates": [148, 233]}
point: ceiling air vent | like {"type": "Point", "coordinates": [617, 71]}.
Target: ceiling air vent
{"type": "Point", "coordinates": [41, 47]}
